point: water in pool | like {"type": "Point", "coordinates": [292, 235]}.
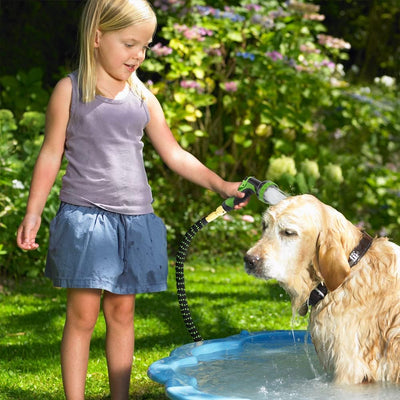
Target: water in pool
{"type": "Point", "coordinates": [260, 372]}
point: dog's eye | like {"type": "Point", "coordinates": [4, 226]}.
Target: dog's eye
{"type": "Point", "coordinates": [288, 232]}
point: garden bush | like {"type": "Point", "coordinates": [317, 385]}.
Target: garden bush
{"type": "Point", "coordinates": [259, 89]}
{"type": "Point", "coordinates": [19, 145]}
{"type": "Point", "coordinates": [23, 103]}
{"type": "Point", "coordinates": [251, 90]}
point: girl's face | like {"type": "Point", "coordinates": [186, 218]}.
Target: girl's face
{"type": "Point", "coordinates": [120, 53]}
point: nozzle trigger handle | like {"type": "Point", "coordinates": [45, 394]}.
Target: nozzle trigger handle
{"type": "Point", "coordinates": [230, 203]}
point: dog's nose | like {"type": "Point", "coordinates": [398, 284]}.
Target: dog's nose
{"type": "Point", "coordinates": [251, 261]}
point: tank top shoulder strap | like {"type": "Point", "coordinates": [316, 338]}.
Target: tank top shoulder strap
{"type": "Point", "coordinates": [75, 90]}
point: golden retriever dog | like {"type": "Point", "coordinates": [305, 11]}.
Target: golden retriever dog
{"type": "Point", "coordinates": [355, 328]}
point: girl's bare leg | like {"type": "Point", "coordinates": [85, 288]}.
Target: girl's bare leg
{"type": "Point", "coordinates": [83, 307]}
{"type": "Point", "coordinates": [119, 315]}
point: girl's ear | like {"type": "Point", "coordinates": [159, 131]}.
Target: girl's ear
{"type": "Point", "coordinates": [97, 38]}
{"type": "Point", "coordinates": [331, 259]}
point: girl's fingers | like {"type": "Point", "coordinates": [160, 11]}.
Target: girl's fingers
{"type": "Point", "coordinates": [25, 241]}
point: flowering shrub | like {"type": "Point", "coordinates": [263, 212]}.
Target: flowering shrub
{"type": "Point", "coordinates": [254, 89]}
{"type": "Point", "coordinates": [258, 89]}
{"type": "Point", "coordinates": [238, 67]}
{"type": "Point", "coordinates": [237, 76]}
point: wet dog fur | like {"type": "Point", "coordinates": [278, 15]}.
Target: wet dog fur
{"type": "Point", "coordinates": [356, 328]}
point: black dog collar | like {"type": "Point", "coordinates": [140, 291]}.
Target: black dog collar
{"type": "Point", "coordinates": [355, 256]}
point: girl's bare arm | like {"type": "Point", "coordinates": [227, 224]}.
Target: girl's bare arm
{"type": "Point", "coordinates": [178, 159]}
{"type": "Point", "coordinates": [47, 164]}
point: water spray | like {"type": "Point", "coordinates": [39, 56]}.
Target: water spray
{"type": "Point", "coordinates": [266, 191]}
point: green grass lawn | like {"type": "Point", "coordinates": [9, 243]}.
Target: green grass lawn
{"type": "Point", "coordinates": [223, 300]}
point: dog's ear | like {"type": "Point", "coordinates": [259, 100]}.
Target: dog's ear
{"type": "Point", "coordinates": [331, 259]}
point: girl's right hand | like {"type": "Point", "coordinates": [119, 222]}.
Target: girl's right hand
{"type": "Point", "coordinates": [27, 231]}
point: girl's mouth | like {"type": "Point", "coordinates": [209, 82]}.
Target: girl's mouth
{"type": "Point", "coordinates": [131, 67]}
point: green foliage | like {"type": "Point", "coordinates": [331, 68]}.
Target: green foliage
{"type": "Point", "coordinates": [250, 90]}
{"type": "Point", "coordinates": [20, 142]}
{"type": "Point", "coordinates": [17, 156]}
{"type": "Point", "coordinates": [234, 234]}
{"type": "Point", "coordinates": [259, 90]}
{"type": "Point", "coordinates": [8, 162]}
{"type": "Point", "coordinates": [23, 92]}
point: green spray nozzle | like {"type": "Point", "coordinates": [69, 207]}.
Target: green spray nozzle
{"type": "Point", "coordinates": [248, 187]}
{"type": "Point", "coordinates": [266, 191]}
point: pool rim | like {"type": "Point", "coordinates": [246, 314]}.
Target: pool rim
{"type": "Point", "coordinates": [179, 386]}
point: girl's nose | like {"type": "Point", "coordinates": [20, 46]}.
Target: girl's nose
{"type": "Point", "coordinates": [139, 53]}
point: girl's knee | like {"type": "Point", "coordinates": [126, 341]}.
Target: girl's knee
{"type": "Point", "coordinates": [83, 309]}
{"type": "Point", "coordinates": [82, 321]}
{"type": "Point", "coordinates": [119, 308]}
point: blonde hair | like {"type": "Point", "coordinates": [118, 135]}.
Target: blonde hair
{"type": "Point", "coordinates": [107, 16]}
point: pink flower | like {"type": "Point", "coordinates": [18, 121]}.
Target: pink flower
{"type": "Point", "coordinates": [191, 85]}
{"type": "Point", "coordinates": [314, 17]}
{"type": "Point", "coordinates": [333, 42]}
{"type": "Point", "coordinates": [247, 218]}
{"type": "Point", "coordinates": [309, 49]}
{"type": "Point", "coordinates": [254, 7]}
{"type": "Point", "coordinates": [191, 34]}
{"type": "Point", "coordinates": [230, 86]}
{"type": "Point", "coordinates": [160, 50]}
{"type": "Point", "coordinates": [274, 55]}
{"type": "Point", "coordinates": [180, 28]}
{"type": "Point", "coordinates": [195, 32]}
{"type": "Point", "coordinates": [328, 64]}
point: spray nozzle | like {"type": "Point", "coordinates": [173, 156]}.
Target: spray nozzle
{"type": "Point", "coordinates": [270, 193]}
{"type": "Point", "coordinates": [266, 191]}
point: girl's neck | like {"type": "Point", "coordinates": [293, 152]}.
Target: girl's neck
{"type": "Point", "coordinates": [112, 92]}
{"type": "Point", "coordinates": [108, 86]}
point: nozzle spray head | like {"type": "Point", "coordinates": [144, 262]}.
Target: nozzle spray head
{"type": "Point", "coordinates": [269, 193]}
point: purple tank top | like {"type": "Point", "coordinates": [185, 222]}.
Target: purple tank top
{"type": "Point", "coordinates": [104, 150]}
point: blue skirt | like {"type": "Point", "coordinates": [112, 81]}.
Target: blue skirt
{"type": "Point", "coordinates": [93, 248]}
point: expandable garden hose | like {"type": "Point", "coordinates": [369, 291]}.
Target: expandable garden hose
{"type": "Point", "coordinates": [266, 191]}
{"type": "Point", "coordinates": [180, 278]}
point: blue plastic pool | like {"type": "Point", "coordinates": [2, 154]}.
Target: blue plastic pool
{"type": "Point", "coordinates": [278, 365]}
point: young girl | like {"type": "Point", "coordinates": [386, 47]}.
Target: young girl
{"type": "Point", "coordinates": [105, 239]}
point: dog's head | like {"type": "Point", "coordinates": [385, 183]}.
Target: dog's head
{"type": "Point", "coordinates": [303, 243]}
